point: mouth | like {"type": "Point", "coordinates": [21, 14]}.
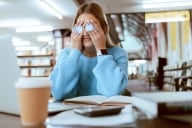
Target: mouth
{"type": "Point", "coordinates": [86, 38]}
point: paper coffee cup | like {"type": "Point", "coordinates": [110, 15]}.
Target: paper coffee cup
{"type": "Point", "coordinates": [33, 95]}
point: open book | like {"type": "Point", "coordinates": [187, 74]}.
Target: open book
{"type": "Point", "coordinates": [100, 99]}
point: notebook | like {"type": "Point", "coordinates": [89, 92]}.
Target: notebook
{"type": "Point", "coordinates": [9, 73]}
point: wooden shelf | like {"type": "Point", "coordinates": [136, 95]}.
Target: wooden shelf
{"type": "Point", "coordinates": [36, 66]}
{"type": "Point", "coordinates": [170, 83]}
{"type": "Point", "coordinates": [183, 77]}
{"type": "Point", "coordinates": [36, 76]}
{"type": "Point", "coordinates": [178, 68]}
{"type": "Point", "coordinates": [40, 55]}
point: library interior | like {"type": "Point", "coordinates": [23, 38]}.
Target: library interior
{"type": "Point", "coordinates": [156, 35]}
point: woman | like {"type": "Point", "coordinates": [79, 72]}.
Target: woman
{"type": "Point", "coordinates": [92, 65]}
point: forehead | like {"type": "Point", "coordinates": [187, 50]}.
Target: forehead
{"type": "Point", "coordinates": [87, 17]}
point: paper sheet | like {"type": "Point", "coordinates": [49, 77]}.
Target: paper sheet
{"type": "Point", "coordinates": [71, 118]}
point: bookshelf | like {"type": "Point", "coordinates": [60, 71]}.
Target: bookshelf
{"type": "Point", "coordinates": [178, 77]}
{"type": "Point", "coordinates": [62, 40]}
{"type": "Point", "coordinates": [35, 63]}
{"type": "Point", "coordinates": [40, 63]}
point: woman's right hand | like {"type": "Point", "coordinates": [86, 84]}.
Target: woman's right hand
{"type": "Point", "coordinates": [76, 37]}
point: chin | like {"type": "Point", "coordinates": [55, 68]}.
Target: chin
{"type": "Point", "coordinates": [87, 44]}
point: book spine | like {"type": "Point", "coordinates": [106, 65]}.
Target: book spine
{"type": "Point", "coordinates": [174, 108]}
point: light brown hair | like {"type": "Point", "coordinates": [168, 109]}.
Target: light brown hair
{"type": "Point", "coordinates": [97, 11]}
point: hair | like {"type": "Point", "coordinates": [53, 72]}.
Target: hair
{"type": "Point", "coordinates": [97, 11]}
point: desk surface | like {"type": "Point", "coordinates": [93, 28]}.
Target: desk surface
{"type": "Point", "coordinates": [13, 121]}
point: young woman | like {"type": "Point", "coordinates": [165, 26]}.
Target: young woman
{"type": "Point", "coordinates": [93, 65]}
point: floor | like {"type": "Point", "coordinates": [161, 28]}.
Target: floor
{"type": "Point", "coordinates": [137, 85]}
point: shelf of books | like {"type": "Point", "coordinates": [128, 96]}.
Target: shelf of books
{"type": "Point", "coordinates": [35, 63]}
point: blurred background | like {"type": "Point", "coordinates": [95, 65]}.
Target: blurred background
{"type": "Point", "coordinates": [146, 29]}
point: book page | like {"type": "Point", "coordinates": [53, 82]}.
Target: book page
{"type": "Point", "coordinates": [54, 107]}
{"type": "Point", "coordinates": [119, 99]}
{"type": "Point", "coordinates": [126, 117]}
{"type": "Point", "coordinates": [93, 99]}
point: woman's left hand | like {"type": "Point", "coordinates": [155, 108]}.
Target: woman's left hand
{"type": "Point", "coordinates": [97, 36]}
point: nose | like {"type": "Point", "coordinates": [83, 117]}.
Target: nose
{"type": "Point", "coordinates": [84, 32]}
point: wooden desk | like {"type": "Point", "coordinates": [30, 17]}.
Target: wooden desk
{"type": "Point", "coordinates": [13, 121]}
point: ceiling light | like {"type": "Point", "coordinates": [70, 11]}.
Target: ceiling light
{"type": "Point", "coordinates": [19, 42]}
{"type": "Point", "coordinates": [51, 8]}
{"type": "Point", "coordinates": [44, 38]}
{"type": "Point", "coordinates": [170, 16]}
{"type": "Point", "coordinates": [114, 16]}
{"type": "Point", "coordinates": [19, 23]}
{"type": "Point", "coordinates": [118, 29]}
{"type": "Point", "coordinates": [22, 43]}
{"type": "Point", "coordinates": [170, 19]}
{"type": "Point", "coordinates": [167, 4]}
{"type": "Point", "coordinates": [51, 42]}
{"type": "Point", "coordinates": [139, 61]}
{"type": "Point", "coordinates": [43, 28]}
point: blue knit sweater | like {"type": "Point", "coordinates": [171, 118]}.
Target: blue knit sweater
{"type": "Point", "coordinates": [77, 75]}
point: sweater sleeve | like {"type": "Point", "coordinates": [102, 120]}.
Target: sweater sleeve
{"type": "Point", "coordinates": [111, 73]}
{"type": "Point", "coordinates": [65, 75]}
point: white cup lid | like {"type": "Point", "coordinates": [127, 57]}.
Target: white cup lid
{"type": "Point", "coordinates": [32, 82]}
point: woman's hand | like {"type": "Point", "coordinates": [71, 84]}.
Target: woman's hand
{"type": "Point", "coordinates": [97, 36]}
{"type": "Point", "coordinates": [76, 37]}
